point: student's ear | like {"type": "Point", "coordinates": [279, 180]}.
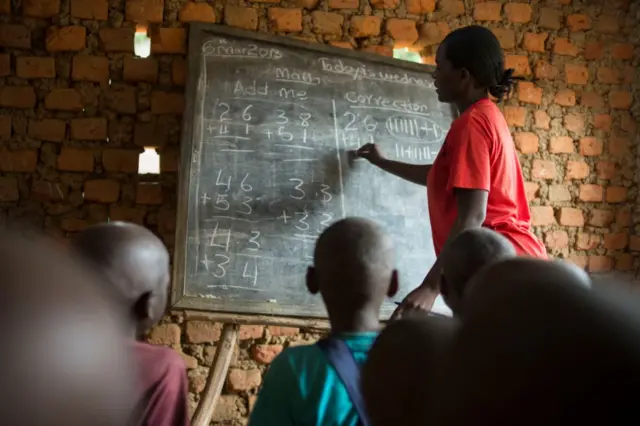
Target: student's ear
{"type": "Point", "coordinates": [143, 312]}
{"type": "Point", "coordinates": [312, 283]}
{"type": "Point", "coordinates": [394, 284]}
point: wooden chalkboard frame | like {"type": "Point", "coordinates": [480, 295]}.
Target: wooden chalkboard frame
{"type": "Point", "coordinates": [197, 33]}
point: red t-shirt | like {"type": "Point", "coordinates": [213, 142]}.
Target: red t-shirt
{"type": "Point", "coordinates": [479, 153]}
{"type": "Point", "coordinates": [162, 399]}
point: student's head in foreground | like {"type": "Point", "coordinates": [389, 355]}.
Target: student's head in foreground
{"type": "Point", "coordinates": [471, 250]}
{"type": "Point", "coordinates": [64, 362]}
{"type": "Point", "coordinates": [134, 265]}
{"type": "Point", "coordinates": [354, 270]}
{"type": "Point", "coordinates": [402, 370]}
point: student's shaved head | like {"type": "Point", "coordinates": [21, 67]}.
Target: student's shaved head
{"type": "Point", "coordinates": [538, 344]}
{"type": "Point", "coordinates": [64, 362]}
{"type": "Point", "coordinates": [353, 266]}
{"type": "Point", "coordinates": [134, 263]}
{"type": "Point", "coordinates": [402, 369]}
{"type": "Point", "coordinates": [469, 252]}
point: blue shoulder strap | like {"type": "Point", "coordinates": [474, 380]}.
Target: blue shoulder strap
{"type": "Point", "coordinates": [342, 359]}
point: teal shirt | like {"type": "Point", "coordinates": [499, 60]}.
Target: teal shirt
{"type": "Point", "coordinates": [302, 388]}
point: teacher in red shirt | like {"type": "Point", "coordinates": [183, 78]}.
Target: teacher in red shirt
{"type": "Point", "coordinates": [476, 178]}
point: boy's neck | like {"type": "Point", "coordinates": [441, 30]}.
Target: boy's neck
{"type": "Point", "coordinates": [360, 322]}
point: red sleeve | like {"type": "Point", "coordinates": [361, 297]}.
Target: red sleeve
{"type": "Point", "coordinates": [470, 152]}
{"type": "Point", "coordinates": [167, 404]}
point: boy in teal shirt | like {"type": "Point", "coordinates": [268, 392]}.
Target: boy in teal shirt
{"type": "Point", "coordinates": [353, 271]}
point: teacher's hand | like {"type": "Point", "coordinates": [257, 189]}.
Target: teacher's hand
{"type": "Point", "coordinates": [370, 152]}
{"type": "Point", "coordinates": [421, 299]}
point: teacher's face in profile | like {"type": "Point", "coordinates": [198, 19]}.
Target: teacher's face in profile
{"type": "Point", "coordinates": [448, 80]}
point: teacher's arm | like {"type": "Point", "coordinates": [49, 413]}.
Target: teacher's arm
{"type": "Point", "coordinates": [472, 210]}
{"type": "Point", "coordinates": [415, 173]}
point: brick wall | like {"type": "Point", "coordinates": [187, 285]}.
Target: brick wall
{"type": "Point", "coordinates": [76, 109]}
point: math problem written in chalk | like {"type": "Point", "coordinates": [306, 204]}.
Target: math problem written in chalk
{"type": "Point", "coordinates": [268, 168]}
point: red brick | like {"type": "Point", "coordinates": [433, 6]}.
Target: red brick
{"type": "Point", "coordinates": [507, 38]}
{"type": "Point", "coordinates": [563, 46]}
{"type": "Point", "coordinates": [591, 100]}
{"type": "Point", "coordinates": [197, 12]}
{"type": "Point", "coordinates": [66, 39]}
{"type": "Point", "coordinates": [488, 11]}
{"type": "Point", "coordinates": [601, 218]}
{"type": "Point", "coordinates": [541, 120]}
{"type": "Point", "coordinates": [5, 64]}
{"type": "Point", "coordinates": [90, 9]}
{"type": "Point", "coordinates": [126, 214]}
{"type": "Point", "coordinates": [43, 191]}
{"type": "Point", "coordinates": [90, 68]}
{"type": "Point", "coordinates": [167, 221]}
{"type": "Point", "coordinates": [531, 189]}
{"type": "Point", "coordinates": [526, 142]}
{"type": "Point", "coordinates": [165, 334]}
{"type": "Point", "coordinates": [47, 130]}
{"type": "Point", "coordinates": [570, 216]}
{"type": "Point", "coordinates": [452, 7]}
{"type": "Point", "coordinates": [628, 123]}
{"type": "Point", "coordinates": [353, 4]}
{"type": "Point", "coordinates": [385, 4]}
{"type": "Point", "coordinates": [264, 354]}
{"type": "Point", "coordinates": [117, 39]}
{"type": "Point", "coordinates": [586, 241]}
{"type": "Point", "coordinates": [544, 70]}
{"type": "Point", "coordinates": [122, 99]}
{"type": "Point", "coordinates": [620, 100]}
{"type": "Point", "coordinates": [634, 243]}
{"type": "Point", "coordinates": [144, 11]}
{"type": "Point", "coordinates": [64, 100]}
{"type": "Point", "coordinates": [9, 189]}
{"type": "Point", "coordinates": [519, 63]}
{"type": "Point", "coordinates": [623, 218]}
{"type": "Point", "coordinates": [606, 170]}
{"type": "Point", "coordinates": [628, 74]}
{"type": "Point", "coordinates": [5, 7]}
{"type": "Point", "coordinates": [602, 122]}
{"type": "Point", "coordinates": [417, 7]}
{"type": "Point", "coordinates": [120, 160]}
{"type": "Point", "coordinates": [140, 70]}
{"type": "Point", "coordinates": [566, 97]}
{"type": "Point", "coordinates": [169, 41]}
{"type": "Point", "coordinates": [607, 24]}
{"type": "Point", "coordinates": [561, 145]}
{"type": "Point", "coordinates": [515, 116]}
{"type": "Point", "coordinates": [76, 160]}
{"type": "Point", "coordinates": [550, 18]}
{"type": "Point", "coordinates": [591, 193]}
{"type": "Point", "coordinates": [41, 8]}
{"type": "Point", "coordinates": [616, 194]}
{"type": "Point", "coordinates": [577, 170]}
{"type": "Point", "coordinates": [574, 123]}
{"type": "Point", "coordinates": [607, 75]}
{"type": "Point", "coordinates": [535, 42]}
{"type": "Point", "coordinates": [579, 260]}
{"type": "Point", "coordinates": [529, 93]}
{"type": "Point", "coordinates": [30, 67]}
{"type": "Point", "coordinates": [576, 74]}
{"type": "Point", "coordinates": [89, 129]}
{"type": "Point", "coordinates": [341, 44]}
{"type": "Point", "coordinates": [169, 160]}
{"type": "Point", "coordinates": [600, 264]}
{"type": "Point", "coordinates": [619, 146]}
{"type": "Point", "coordinates": [18, 97]}
{"type": "Point", "coordinates": [15, 36]}
{"type": "Point", "coordinates": [179, 71]}
{"type": "Point", "coordinates": [276, 331]}
{"type": "Point", "coordinates": [241, 17]}
{"type": "Point", "coordinates": [403, 32]}
{"type": "Point", "coordinates": [431, 33]}
{"type": "Point", "coordinates": [23, 160]}
{"type": "Point", "coordinates": [149, 193]}
{"type": "Point", "coordinates": [379, 50]}
{"type": "Point", "coordinates": [616, 241]}
{"type": "Point", "coordinates": [102, 190]}
{"type": "Point", "coordinates": [578, 22]}
{"type": "Point", "coordinates": [71, 224]}
{"type": "Point", "coordinates": [5, 126]}
{"type": "Point", "coordinates": [285, 20]}
{"type": "Point", "coordinates": [543, 169]}
{"type": "Point", "coordinates": [558, 193]}
{"type": "Point", "coordinates": [518, 13]}
{"type": "Point", "coordinates": [365, 26]}
{"type": "Point", "coordinates": [167, 103]}
{"type": "Point", "coordinates": [622, 51]}
{"type": "Point", "coordinates": [202, 332]}
{"type": "Point", "coordinates": [250, 332]}
{"type": "Point", "coordinates": [590, 147]}
{"type": "Point", "coordinates": [624, 262]}
{"type": "Point", "coordinates": [556, 239]}
{"type": "Point", "coordinates": [593, 50]}
{"type": "Point", "coordinates": [243, 380]}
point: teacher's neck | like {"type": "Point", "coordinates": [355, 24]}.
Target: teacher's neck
{"type": "Point", "coordinates": [463, 105]}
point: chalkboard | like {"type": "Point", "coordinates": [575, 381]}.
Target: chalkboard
{"type": "Point", "coordinates": [265, 166]}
